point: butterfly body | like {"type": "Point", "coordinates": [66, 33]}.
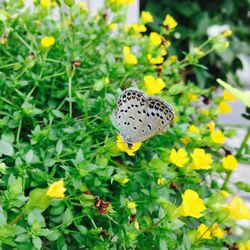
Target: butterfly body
{"type": "Point", "coordinates": [139, 117]}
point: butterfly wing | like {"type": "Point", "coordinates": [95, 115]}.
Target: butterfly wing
{"type": "Point", "coordinates": [158, 115]}
{"type": "Point", "coordinates": [130, 114]}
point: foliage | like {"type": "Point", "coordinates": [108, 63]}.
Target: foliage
{"type": "Point", "coordinates": [195, 17]}
{"type": "Point", "coordinates": [64, 182]}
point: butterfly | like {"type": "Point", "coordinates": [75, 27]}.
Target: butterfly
{"type": "Point", "coordinates": [139, 117]}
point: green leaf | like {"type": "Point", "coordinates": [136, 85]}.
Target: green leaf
{"type": "Point", "coordinates": [243, 186]}
{"type": "Point", "coordinates": [240, 95]}
{"type": "Point", "coordinates": [176, 89]}
{"type": "Point", "coordinates": [38, 199]}
{"type": "Point", "coordinates": [37, 242]}
{"type": "Point", "coordinates": [67, 217]}
{"type": "Point", "coordinates": [29, 156]}
{"type": "Point", "coordinates": [6, 148]}
{"type": "Point", "coordinates": [59, 147]}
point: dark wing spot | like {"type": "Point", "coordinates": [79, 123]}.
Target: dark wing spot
{"type": "Point", "coordinates": [149, 126]}
{"type": "Point", "coordinates": [152, 113]}
{"type": "Point", "coordinates": [140, 120]}
{"type": "Point", "coordinates": [131, 117]}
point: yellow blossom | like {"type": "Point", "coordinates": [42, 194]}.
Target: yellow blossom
{"type": "Point", "coordinates": [83, 6]}
{"type": "Point", "coordinates": [178, 158]}
{"type": "Point", "coordinates": [224, 107]}
{"type": "Point", "coordinates": [124, 147]}
{"type": "Point", "coordinates": [224, 193]}
{"type": "Point", "coordinates": [192, 97]}
{"type": "Point", "coordinates": [126, 27]}
{"type": "Point", "coordinates": [185, 140]}
{"type": "Point", "coordinates": [229, 162]}
{"type": "Point", "coordinates": [161, 181]}
{"type": "Point", "coordinates": [217, 137]}
{"type": "Point", "coordinates": [56, 190]}
{"type": "Point", "coordinates": [237, 209]}
{"type": "Point", "coordinates": [193, 129]}
{"type": "Point", "coordinates": [201, 160]}
{"type": "Point", "coordinates": [146, 17]}
{"type": "Point", "coordinates": [226, 44]}
{"type": "Point", "coordinates": [246, 246]}
{"type": "Point", "coordinates": [227, 96]}
{"type": "Point", "coordinates": [155, 38]}
{"type": "Point", "coordinates": [45, 3]}
{"type": "Point", "coordinates": [136, 225]}
{"type": "Point", "coordinates": [227, 33]}
{"type": "Point", "coordinates": [203, 232]}
{"type": "Point", "coordinates": [205, 112]}
{"type": "Point", "coordinates": [155, 60]}
{"type": "Point", "coordinates": [138, 28]}
{"type": "Point", "coordinates": [192, 205]}
{"type": "Point", "coordinates": [120, 3]}
{"type": "Point", "coordinates": [172, 59]}
{"type": "Point", "coordinates": [169, 22]}
{"type": "Point", "coordinates": [210, 126]}
{"type": "Point", "coordinates": [153, 86]}
{"type": "Point", "coordinates": [216, 231]}
{"type": "Point", "coordinates": [198, 52]}
{"type": "Point", "coordinates": [129, 58]}
{"type": "Point", "coordinates": [131, 205]}
{"type": "Point", "coordinates": [47, 41]}
{"type": "Point", "coordinates": [112, 26]}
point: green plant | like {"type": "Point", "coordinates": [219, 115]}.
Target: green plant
{"type": "Point", "coordinates": [59, 81]}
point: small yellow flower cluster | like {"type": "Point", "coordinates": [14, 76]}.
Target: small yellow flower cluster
{"type": "Point", "coordinates": [203, 232]}
{"type": "Point", "coordinates": [159, 58]}
{"type": "Point", "coordinates": [193, 129]}
{"type": "Point", "coordinates": [223, 106]}
{"type": "Point", "coordinates": [198, 52]}
{"type": "Point", "coordinates": [155, 38]}
{"type": "Point", "coordinates": [121, 145]}
{"type": "Point", "coordinates": [217, 137]}
{"type": "Point", "coordinates": [192, 205]}
{"type": "Point", "coordinates": [192, 97]}
{"type": "Point", "coordinates": [161, 181]}
{"type": "Point", "coordinates": [83, 6]}
{"type": "Point", "coordinates": [153, 86]}
{"type": "Point", "coordinates": [132, 207]}
{"type": "Point", "coordinates": [56, 190]}
{"type": "Point", "coordinates": [129, 58]}
{"type": "Point", "coordinates": [246, 246]}
{"type": "Point", "coordinates": [47, 41]}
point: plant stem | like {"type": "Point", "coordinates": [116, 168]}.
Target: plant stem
{"type": "Point", "coordinates": [18, 217]}
{"type": "Point", "coordinates": [19, 130]}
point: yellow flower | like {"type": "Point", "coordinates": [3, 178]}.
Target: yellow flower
{"type": "Point", "coordinates": [226, 44]}
{"type": "Point", "coordinates": [161, 181]}
{"type": "Point", "coordinates": [124, 147]}
{"type": "Point", "coordinates": [138, 28]}
{"type": "Point", "coordinates": [112, 26]}
{"type": "Point", "coordinates": [153, 86]}
{"type": "Point", "coordinates": [211, 126]}
{"type": "Point", "coordinates": [136, 225]}
{"type": "Point", "coordinates": [229, 162]}
{"type": "Point", "coordinates": [185, 140]}
{"type": "Point", "coordinates": [47, 41]}
{"type": "Point", "coordinates": [237, 209]}
{"type": "Point", "coordinates": [83, 7]}
{"type": "Point", "coordinates": [172, 59]}
{"type": "Point", "coordinates": [193, 129]}
{"type": "Point", "coordinates": [227, 96]}
{"type": "Point", "coordinates": [192, 97]}
{"type": "Point", "coordinates": [201, 160]}
{"type": "Point", "coordinates": [216, 231]}
{"type": "Point", "coordinates": [155, 38]}
{"type": "Point", "coordinates": [129, 58]}
{"type": "Point", "coordinates": [146, 17]}
{"type": "Point", "coordinates": [203, 232]}
{"type": "Point", "coordinates": [120, 3]}
{"type": "Point", "coordinates": [217, 137]}
{"type": "Point", "coordinates": [169, 22]}
{"type": "Point", "coordinates": [198, 52]}
{"type": "Point", "coordinates": [155, 60]}
{"type": "Point", "coordinates": [45, 3]}
{"type": "Point", "coordinates": [245, 246]}
{"type": "Point", "coordinates": [56, 190]}
{"type": "Point", "coordinates": [205, 112]}
{"type": "Point", "coordinates": [131, 205]}
{"type": "Point", "coordinates": [179, 158]}
{"type": "Point", "coordinates": [224, 193]}
{"type": "Point", "coordinates": [192, 205]}
{"type": "Point", "coordinates": [224, 107]}
{"type": "Point", "coordinates": [227, 33]}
